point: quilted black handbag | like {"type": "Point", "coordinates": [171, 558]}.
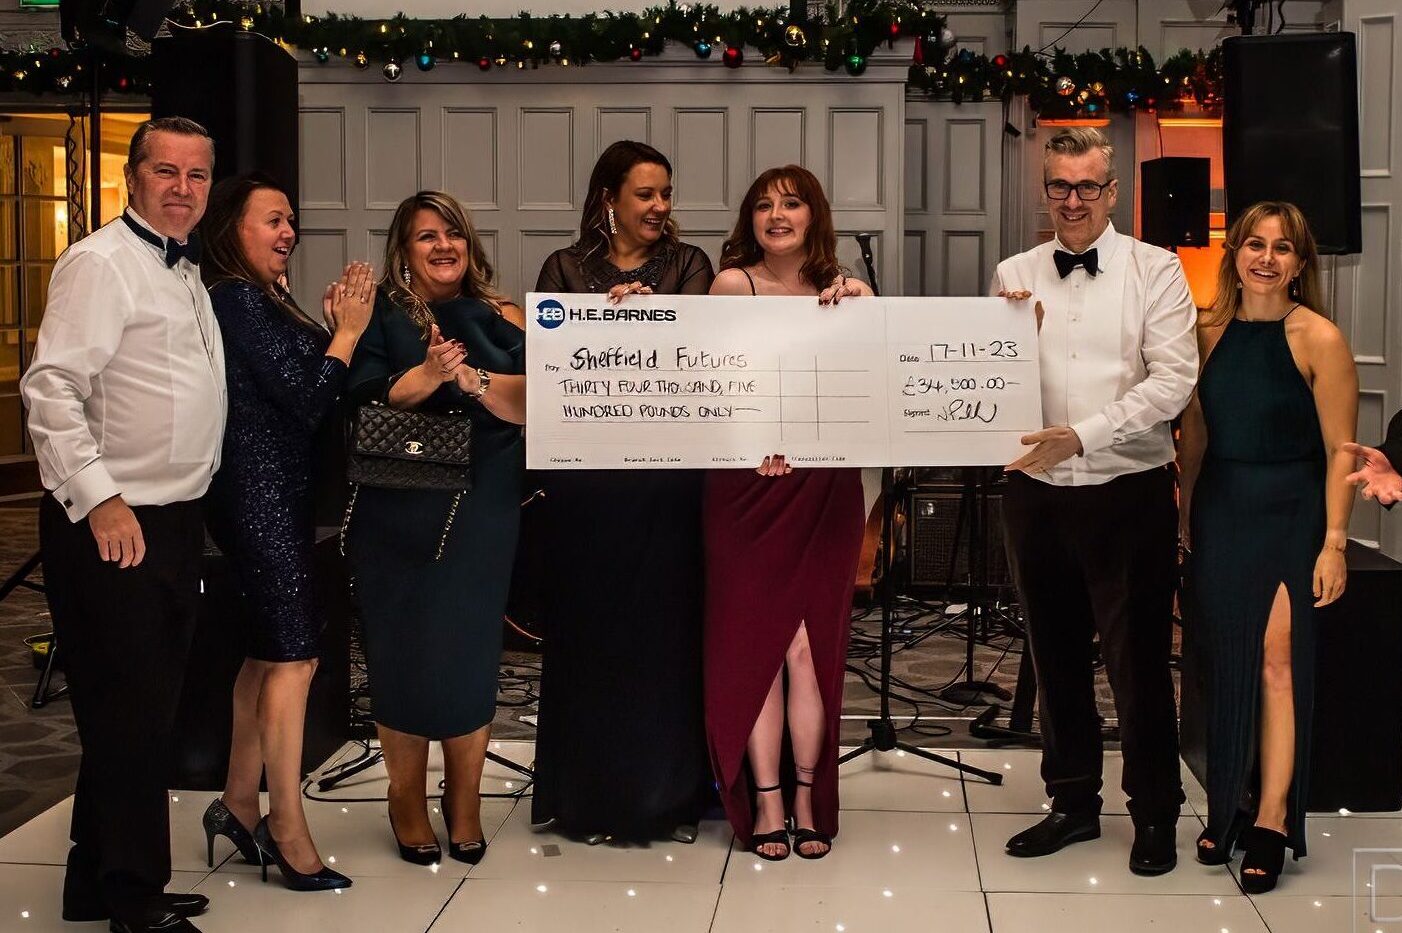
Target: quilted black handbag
{"type": "Point", "coordinates": [397, 449]}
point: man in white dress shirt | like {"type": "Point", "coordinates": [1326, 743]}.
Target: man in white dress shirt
{"type": "Point", "coordinates": [1089, 514]}
{"type": "Point", "coordinates": [126, 401]}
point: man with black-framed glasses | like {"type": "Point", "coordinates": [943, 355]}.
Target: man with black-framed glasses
{"type": "Point", "coordinates": [1089, 513]}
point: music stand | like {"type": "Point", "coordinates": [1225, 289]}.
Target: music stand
{"type": "Point", "coordinates": [974, 503]}
{"type": "Point", "coordinates": [882, 730]}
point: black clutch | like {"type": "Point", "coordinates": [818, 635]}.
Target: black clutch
{"type": "Point", "coordinates": [397, 449]}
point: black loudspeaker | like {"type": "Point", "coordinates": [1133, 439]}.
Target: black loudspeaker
{"type": "Point", "coordinates": [243, 88]}
{"type": "Point", "coordinates": [1356, 756]}
{"type": "Point", "coordinates": [1290, 130]}
{"type": "Point", "coordinates": [1174, 194]}
{"type": "Point", "coordinates": [205, 718]}
{"type": "Point", "coordinates": [939, 543]}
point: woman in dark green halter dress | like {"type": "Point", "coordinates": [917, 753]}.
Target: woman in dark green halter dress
{"type": "Point", "coordinates": [1265, 495]}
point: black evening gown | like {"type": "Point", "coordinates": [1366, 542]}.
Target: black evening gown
{"type": "Point", "coordinates": [282, 385]}
{"type": "Point", "coordinates": [433, 629]}
{"type": "Point", "coordinates": [620, 746]}
{"type": "Point", "coordinates": [1257, 523]}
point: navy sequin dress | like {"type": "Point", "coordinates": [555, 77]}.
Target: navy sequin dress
{"type": "Point", "coordinates": [260, 505]}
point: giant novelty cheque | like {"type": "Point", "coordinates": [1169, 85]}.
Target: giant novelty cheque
{"type": "Point", "coordinates": [674, 381]}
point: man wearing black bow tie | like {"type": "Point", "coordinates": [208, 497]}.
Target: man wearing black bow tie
{"type": "Point", "coordinates": [1089, 514]}
{"type": "Point", "coordinates": [126, 409]}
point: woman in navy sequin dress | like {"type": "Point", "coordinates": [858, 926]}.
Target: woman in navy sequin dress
{"type": "Point", "coordinates": [285, 373]}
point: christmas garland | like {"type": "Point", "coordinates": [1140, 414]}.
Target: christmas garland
{"type": "Point", "coordinates": [1057, 84]}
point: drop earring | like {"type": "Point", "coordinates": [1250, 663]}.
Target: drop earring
{"type": "Point", "coordinates": [613, 220]}
{"type": "Point", "coordinates": [404, 271]}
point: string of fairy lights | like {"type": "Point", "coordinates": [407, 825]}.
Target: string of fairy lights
{"type": "Point", "coordinates": [1055, 83]}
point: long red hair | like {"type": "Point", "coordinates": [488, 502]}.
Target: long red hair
{"type": "Point", "coordinates": [742, 248]}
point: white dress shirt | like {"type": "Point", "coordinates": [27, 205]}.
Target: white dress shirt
{"type": "Point", "coordinates": [126, 393]}
{"type": "Point", "coordinates": [1119, 354]}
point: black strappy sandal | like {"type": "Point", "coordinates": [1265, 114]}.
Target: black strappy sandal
{"type": "Point", "coordinates": [802, 835]}
{"type": "Point", "coordinates": [1265, 853]}
{"type": "Point", "coordinates": [777, 837]}
{"type": "Point", "coordinates": [1222, 855]}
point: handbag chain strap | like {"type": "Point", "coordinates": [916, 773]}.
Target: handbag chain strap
{"type": "Point", "coordinates": [448, 525]}
{"type": "Point", "coordinates": [442, 539]}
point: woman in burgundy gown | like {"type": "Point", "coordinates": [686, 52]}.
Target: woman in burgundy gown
{"type": "Point", "coordinates": [781, 558]}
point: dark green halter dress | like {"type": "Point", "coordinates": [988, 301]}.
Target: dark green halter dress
{"type": "Point", "coordinates": [1257, 522]}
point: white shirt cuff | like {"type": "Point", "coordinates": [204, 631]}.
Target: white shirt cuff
{"type": "Point", "coordinates": [85, 490]}
{"type": "Point", "coordinates": [1095, 432]}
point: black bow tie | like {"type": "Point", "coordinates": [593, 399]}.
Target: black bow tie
{"type": "Point", "coordinates": [1065, 262]}
{"type": "Point", "coordinates": [190, 249]}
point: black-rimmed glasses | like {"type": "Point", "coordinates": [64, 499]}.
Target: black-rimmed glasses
{"type": "Point", "coordinates": [1085, 190]}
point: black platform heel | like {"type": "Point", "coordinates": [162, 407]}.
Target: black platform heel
{"type": "Point", "coordinates": [777, 837]}
{"type": "Point", "coordinates": [470, 852]}
{"type": "Point", "coordinates": [426, 854]}
{"type": "Point", "coordinates": [1222, 855]}
{"type": "Point", "coordinates": [1265, 852]}
{"type": "Point", "coordinates": [802, 835]}
{"type": "Point", "coordinates": [219, 820]}
{"type": "Point", "coordinates": [325, 879]}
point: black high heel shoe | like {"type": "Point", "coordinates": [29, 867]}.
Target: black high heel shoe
{"type": "Point", "coordinates": [1222, 854]}
{"type": "Point", "coordinates": [1265, 853]}
{"type": "Point", "coordinates": [470, 852]}
{"type": "Point", "coordinates": [324, 879]}
{"type": "Point", "coordinates": [802, 835]}
{"type": "Point", "coordinates": [426, 854]}
{"type": "Point", "coordinates": [219, 820]}
{"type": "Point", "coordinates": [777, 837]}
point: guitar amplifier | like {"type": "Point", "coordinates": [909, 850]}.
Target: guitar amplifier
{"type": "Point", "coordinates": [938, 543]}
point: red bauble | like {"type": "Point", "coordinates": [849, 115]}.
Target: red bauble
{"type": "Point", "coordinates": [123, 83]}
{"type": "Point", "coordinates": [734, 56]}
{"type": "Point", "coordinates": [635, 53]}
{"type": "Point", "coordinates": [1000, 61]}
{"type": "Point", "coordinates": [484, 63]}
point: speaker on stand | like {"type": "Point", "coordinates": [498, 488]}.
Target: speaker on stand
{"type": "Point", "coordinates": [240, 86]}
{"type": "Point", "coordinates": [1290, 130]}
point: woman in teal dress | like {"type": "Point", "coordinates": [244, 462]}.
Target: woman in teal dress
{"type": "Point", "coordinates": [1266, 497]}
{"type": "Point", "coordinates": [441, 339]}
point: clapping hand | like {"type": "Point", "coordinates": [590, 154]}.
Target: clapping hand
{"type": "Point", "coordinates": [443, 357]}
{"type": "Point", "coordinates": [1022, 294]}
{"type": "Point", "coordinates": [347, 303]}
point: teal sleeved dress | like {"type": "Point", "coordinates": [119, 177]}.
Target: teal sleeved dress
{"type": "Point", "coordinates": [433, 629]}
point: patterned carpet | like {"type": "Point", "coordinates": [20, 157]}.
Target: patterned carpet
{"type": "Point", "coordinates": [39, 748]}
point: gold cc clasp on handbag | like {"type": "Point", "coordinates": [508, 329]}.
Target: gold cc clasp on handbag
{"type": "Point", "coordinates": [413, 448]}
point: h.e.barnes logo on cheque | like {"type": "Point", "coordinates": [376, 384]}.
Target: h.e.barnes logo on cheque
{"type": "Point", "coordinates": [551, 313]}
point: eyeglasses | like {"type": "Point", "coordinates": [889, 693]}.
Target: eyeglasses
{"type": "Point", "coordinates": [1086, 190]}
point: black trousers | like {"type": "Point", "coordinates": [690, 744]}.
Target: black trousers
{"type": "Point", "coordinates": [125, 638]}
{"type": "Point", "coordinates": [1100, 559]}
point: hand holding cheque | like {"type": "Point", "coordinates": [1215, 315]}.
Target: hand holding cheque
{"type": "Point", "coordinates": [715, 381]}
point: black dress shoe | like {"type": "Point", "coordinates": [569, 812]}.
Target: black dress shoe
{"type": "Point", "coordinates": [1155, 849]}
{"type": "Point", "coordinates": [184, 905]}
{"type": "Point", "coordinates": [1054, 833]}
{"type": "Point", "coordinates": [154, 920]}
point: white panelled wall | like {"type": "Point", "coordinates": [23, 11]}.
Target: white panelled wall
{"type": "Point", "coordinates": [517, 150]}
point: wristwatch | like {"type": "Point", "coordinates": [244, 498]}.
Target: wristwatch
{"type": "Point", "coordinates": [484, 380]}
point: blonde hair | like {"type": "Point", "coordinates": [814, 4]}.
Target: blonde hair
{"type": "Point", "coordinates": [1296, 229]}
{"type": "Point", "coordinates": [477, 280]}
{"type": "Point", "coordinates": [1078, 140]}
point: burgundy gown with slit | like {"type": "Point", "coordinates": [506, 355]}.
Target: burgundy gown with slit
{"type": "Point", "coordinates": [780, 551]}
